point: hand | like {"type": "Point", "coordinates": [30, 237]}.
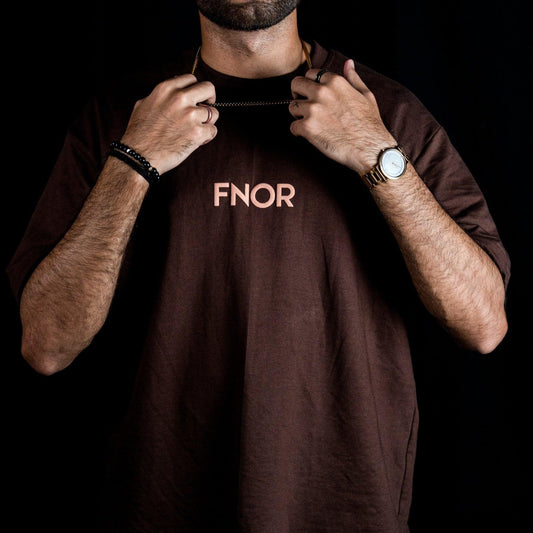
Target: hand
{"type": "Point", "coordinates": [170, 123]}
{"type": "Point", "coordinates": [340, 117]}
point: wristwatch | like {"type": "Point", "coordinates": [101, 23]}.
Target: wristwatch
{"type": "Point", "coordinates": [391, 165]}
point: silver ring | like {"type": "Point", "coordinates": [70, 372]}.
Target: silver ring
{"type": "Point", "coordinates": [320, 74]}
{"type": "Point", "coordinates": [209, 113]}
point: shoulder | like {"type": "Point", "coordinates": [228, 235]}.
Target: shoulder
{"type": "Point", "coordinates": [387, 90]}
{"type": "Point", "coordinates": [406, 117]}
{"type": "Point", "coordinates": [133, 85]}
{"type": "Point", "coordinates": [121, 91]}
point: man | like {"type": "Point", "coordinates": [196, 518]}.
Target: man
{"type": "Point", "coordinates": [259, 293]}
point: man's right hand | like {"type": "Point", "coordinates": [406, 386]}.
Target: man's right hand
{"type": "Point", "coordinates": [67, 298]}
{"type": "Point", "coordinates": [168, 125]}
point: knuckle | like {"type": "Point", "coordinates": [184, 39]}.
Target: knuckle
{"type": "Point", "coordinates": [294, 128]}
{"type": "Point", "coordinates": [180, 80]}
{"type": "Point", "coordinates": [179, 99]}
{"type": "Point", "coordinates": [296, 82]}
{"type": "Point", "coordinates": [161, 88]}
{"type": "Point", "coordinates": [197, 132]}
{"type": "Point", "coordinates": [338, 80]}
{"type": "Point", "coordinates": [206, 89]}
{"type": "Point", "coordinates": [187, 78]}
{"type": "Point", "coordinates": [210, 133]}
{"type": "Point", "coordinates": [307, 128]}
{"type": "Point", "coordinates": [313, 110]}
{"type": "Point", "coordinates": [213, 130]}
{"type": "Point", "coordinates": [300, 128]}
{"type": "Point", "coordinates": [190, 113]}
{"type": "Point", "coordinates": [207, 85]}
{"type": "Point", "coordinates": [321, 91]}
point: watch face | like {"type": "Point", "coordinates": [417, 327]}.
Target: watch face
{"type": "Point", "coordinates": [392, 163]}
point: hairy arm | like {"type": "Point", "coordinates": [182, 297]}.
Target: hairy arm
{"type": "Point", "coordinates": [456, 280]}
{"type": "Point", "coordinates": [67, 298]}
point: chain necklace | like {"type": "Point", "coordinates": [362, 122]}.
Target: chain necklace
{"type": "Point", "coordinates": [252, 103]}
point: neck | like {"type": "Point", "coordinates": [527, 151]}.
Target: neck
{"type": "Point", "coordinates": [256, 54]}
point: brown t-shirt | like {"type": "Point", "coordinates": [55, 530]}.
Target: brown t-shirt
{"type": "Point", "coordinates": [260, 317]}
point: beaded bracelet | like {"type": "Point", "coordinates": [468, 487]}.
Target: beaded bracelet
{"type": "Point", "coordinates": [136, 161]}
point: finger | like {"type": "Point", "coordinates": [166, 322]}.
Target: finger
{"type": "Point", "coordinates": [312, 74]}
{"type": "Point", "coordinates": [209, 113]}
{"type": "Point", "coordinates": [203, 91]}
{"type": "Point", "coordinates": [179, 82]}
{"type": "Point", "coordinates": [303, 86]}
{"type": "Point", "coordinates": [297, 128]}
{"type": "Point", "coordinates": [212, 133]}
{"type": "Point", "coordinates": [299, 108]}
{"type": "Point", "coordinates": [355, 80]}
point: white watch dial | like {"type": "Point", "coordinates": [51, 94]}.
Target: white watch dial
{"type": "Point", "coordinates": [392, 163]}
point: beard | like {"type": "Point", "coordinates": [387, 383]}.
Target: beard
{"type": "Point", "coordinates": [251, 15]}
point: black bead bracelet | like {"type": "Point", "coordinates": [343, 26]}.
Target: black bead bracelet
{"type": "Point", "coordinates": [136, 161]}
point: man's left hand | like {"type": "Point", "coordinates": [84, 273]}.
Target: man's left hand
{"type": "Point", "coordinates": [340, 117]}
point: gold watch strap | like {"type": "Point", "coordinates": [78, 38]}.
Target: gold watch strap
{"type": "Point", "coordinates": [374, 177]}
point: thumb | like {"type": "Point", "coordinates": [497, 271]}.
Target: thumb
{"type": "Point", "coordinates": [351, 75]}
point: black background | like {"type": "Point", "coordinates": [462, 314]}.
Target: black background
{"type": "Point", "coordinates": [470, 64]}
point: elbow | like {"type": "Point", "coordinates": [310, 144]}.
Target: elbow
{"type": "Point", "coordinates": [47, 348]}
{"type": "Point", "coordinates": [488, 344]}
{"type": "Point", "coordinates": [492, 335]}
{"type": "Point", "coordinates": [492, 325]}
{"type": "Point", "coordinates": [483, 335]}
{"type": "Point", "coordinates": [42, 359]}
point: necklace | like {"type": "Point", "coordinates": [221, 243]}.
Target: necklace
{"type": "Point", "coordinates": [253, 103]}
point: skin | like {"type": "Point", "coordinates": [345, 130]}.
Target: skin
{"type": "Point", "coordinates": [456, 280]}
{"type": "Point", "coordinates": [66, 300]}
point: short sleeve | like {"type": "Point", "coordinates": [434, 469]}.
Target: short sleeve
{"type": "Point", "coordinates": [64, 194]}
{"type": "Point", "coordinates": [437, 162]}
{"type": "Point", "coordinates": [85, 149]}
{"type": "Point", "coordinates": [447, 176]}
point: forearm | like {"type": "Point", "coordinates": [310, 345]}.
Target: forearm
{"type": "Point", "coordinates": [457, 281]}
{"type": "Point", "coordinates": [66, 300]}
